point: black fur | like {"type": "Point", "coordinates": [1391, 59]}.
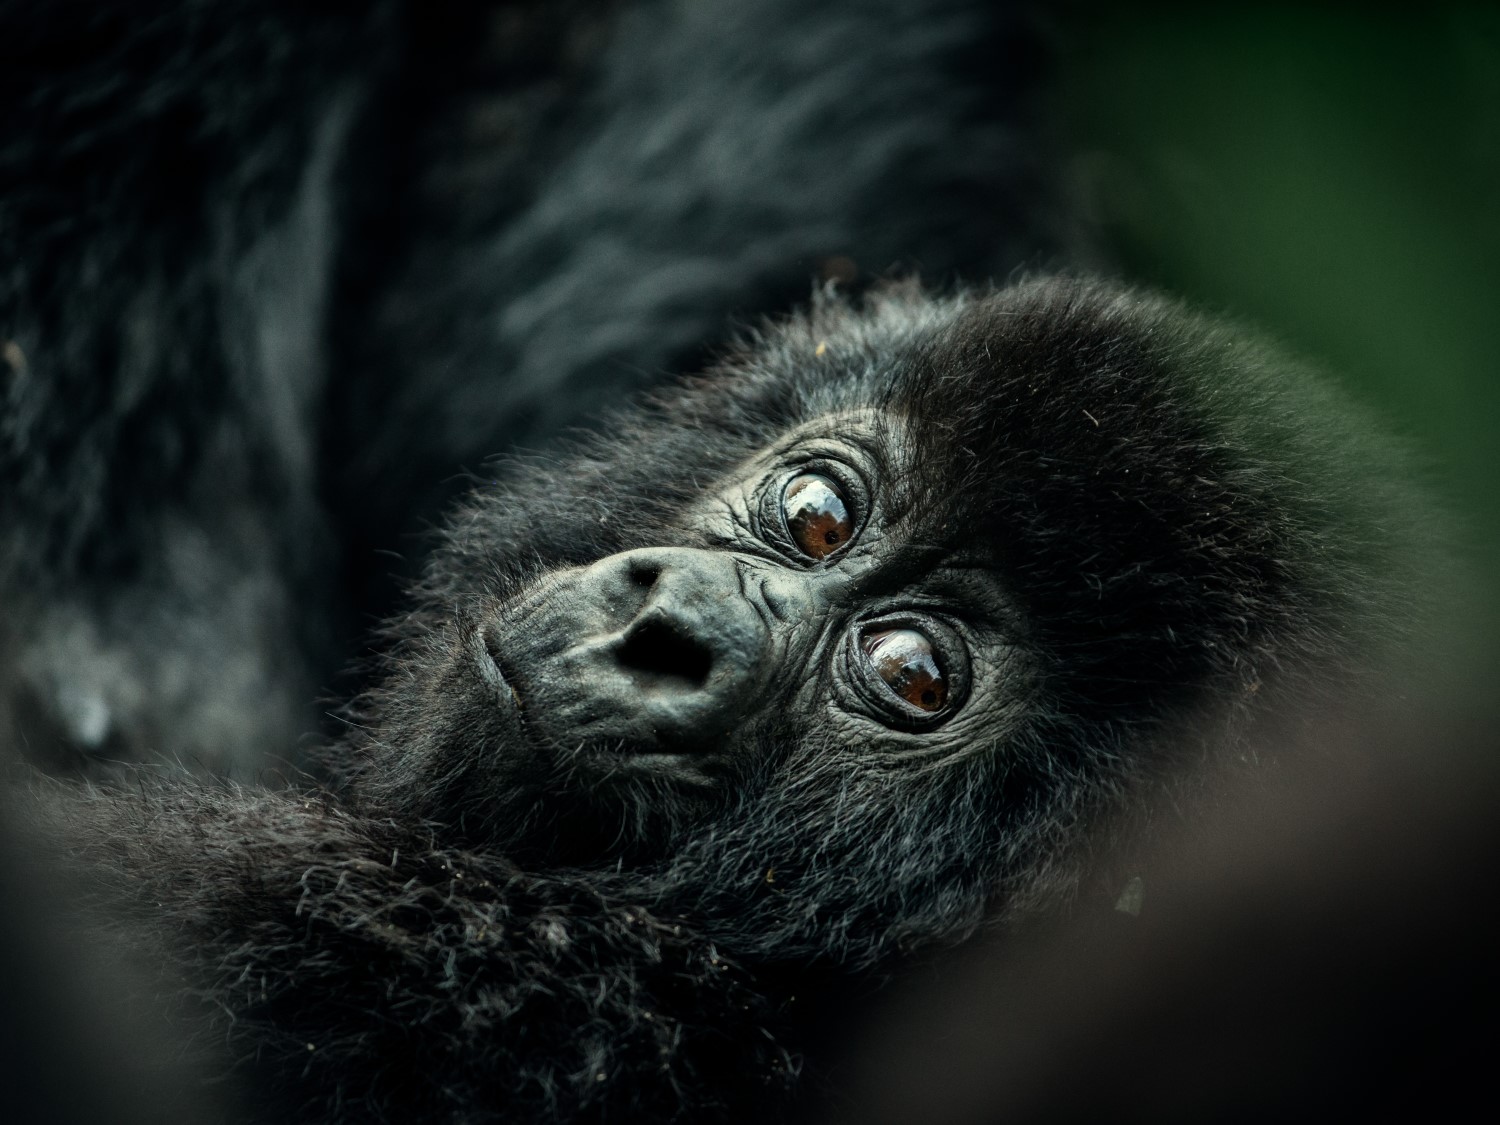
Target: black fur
{"type": "Point", "coordinates": [274, 274]}
{"type": "Point", "coordinates": [1190, 532]}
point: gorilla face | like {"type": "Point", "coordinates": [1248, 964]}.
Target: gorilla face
{"type": "Point", "coordinates": [910, 592]}
{"type": "Point", "coordinates": [808, 596]}
{"type": "Point", "coordinates": [801, 586]}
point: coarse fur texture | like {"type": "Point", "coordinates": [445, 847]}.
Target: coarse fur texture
{"type": "Point", "coordinates": [1187, 532]}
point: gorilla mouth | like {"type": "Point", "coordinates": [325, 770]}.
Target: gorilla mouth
{"type": "Point", "coordinates": [495, 674]}
{"type": "Point", "coordinates": [653, 652]}
{"type": "Point", "coordinates": [688, 767]}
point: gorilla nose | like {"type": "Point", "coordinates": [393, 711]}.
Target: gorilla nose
{"type": "Point", "coordinates": [696, 649]}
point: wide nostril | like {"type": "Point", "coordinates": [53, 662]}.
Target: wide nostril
{"type": "Point", "coordinates": [656, 647]}
{"type": "Point", "coordinates": [643, 571]}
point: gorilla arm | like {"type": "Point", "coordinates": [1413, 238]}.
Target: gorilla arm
{"type": "Point", "coordinates": [353, 967]}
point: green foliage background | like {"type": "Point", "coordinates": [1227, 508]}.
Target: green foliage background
{"type": "Point", "coordinates": [1332, 173]}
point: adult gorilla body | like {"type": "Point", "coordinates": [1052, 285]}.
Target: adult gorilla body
{"type": "Point", "coordinates": [635, 790]}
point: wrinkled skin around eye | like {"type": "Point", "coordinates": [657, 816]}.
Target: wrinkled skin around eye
{"type": "Point", "coordinates": [817, 515]}
{"type": "Point", "coordinates": [904, 659]}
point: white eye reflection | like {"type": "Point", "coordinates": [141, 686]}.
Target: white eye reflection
{"type": "Point", "coordinates": [816, 514]}
{"type": "Point", "coordinates": [905, 660]}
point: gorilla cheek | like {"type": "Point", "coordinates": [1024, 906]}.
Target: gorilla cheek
{"type": "Point", "coordinates": [648, 652]}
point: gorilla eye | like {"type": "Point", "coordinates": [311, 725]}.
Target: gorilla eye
{"type": "Point", "coordinates": [905, 660]}
{"type": "Point", "coordinates": [816, 514]}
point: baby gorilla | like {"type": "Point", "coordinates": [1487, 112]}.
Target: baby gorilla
{"type": "Point", "coordinates": [863, 637]}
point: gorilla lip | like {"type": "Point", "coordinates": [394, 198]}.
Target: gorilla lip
{"type": "Point", "coordinates": [492, 671]}
{"type": "Point", "coordinates": [685, 766]}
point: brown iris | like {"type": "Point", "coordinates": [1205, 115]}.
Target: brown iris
{"type": "Point", "coordinates": [904, 659]}
{"type": "Point", "coordinates": [816, 514]}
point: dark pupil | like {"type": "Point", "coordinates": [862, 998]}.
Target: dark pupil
{"type": "Point", "coordinates": [816, 515]}
{"type": "Point", "coordinates": [904, 659]}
